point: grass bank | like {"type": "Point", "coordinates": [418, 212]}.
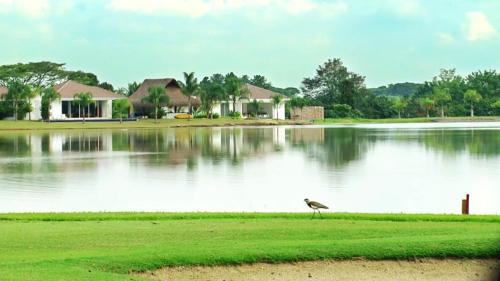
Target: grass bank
{"type": "Point", "coordinates": [108, 246]}
{"type": "Point", "coordinates": [144, 124]}
{"type": "Point", "coordinates": [221, 122]}
{"type": "Point", "coordinates": [407, 120]}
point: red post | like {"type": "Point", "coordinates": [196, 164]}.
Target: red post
{"type": "Point", "coordinates": [468, 204]}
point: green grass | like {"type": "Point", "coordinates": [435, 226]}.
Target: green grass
{"type": "Point", "coordinates": [407, 120]}
{"type": "Point", "coordinates": [108, 246]}
{"type": "Point", "coordinates": [143, 124]}
{"type": "Point", "coordinates": [173, 123]}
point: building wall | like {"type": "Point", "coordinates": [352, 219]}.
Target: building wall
{"type": "Point", "coordinates": [307, 113]}
{"type": "Point", "coordinates": [107, 109]}
{"type": "Point", "coordinates": [56, 110]}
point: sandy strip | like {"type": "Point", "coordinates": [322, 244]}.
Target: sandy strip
{"type": "Point", "coordinates": [355, 270]}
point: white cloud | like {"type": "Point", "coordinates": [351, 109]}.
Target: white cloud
{"type": "Point", "coordinates": [478, 27]}
{"type": "Point", "coordinates": [198, 8]}
{"type": "Point", "coordinates": [445, 38]}
{"type": "Point", "coordinates": [28, 8]}
{"type": "Point", "coordinates": [407, 7]}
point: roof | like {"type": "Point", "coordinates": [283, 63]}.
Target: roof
{"type": "Point", "coordinates": [172, 88]}
{"type": "Point", "coordinates": [259, 93]}
{"type": "Point", "coordinates": [68, 89]}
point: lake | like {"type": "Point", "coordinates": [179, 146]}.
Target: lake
{"type": "Point", "coordinates": [410, 168]}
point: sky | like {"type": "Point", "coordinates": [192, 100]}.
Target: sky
{"type": "Point", "coordinates": [285, 40]}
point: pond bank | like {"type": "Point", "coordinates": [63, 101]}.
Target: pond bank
{"type": "Point", "coordinates": [222, 122]}
{"type": "Point", "coordinates": [355, 270]}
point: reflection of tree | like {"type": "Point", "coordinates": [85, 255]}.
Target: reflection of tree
{"type": "Point", "coordinates": [481, 142]}
{"type": "Point", "coordinates": [335, 147]}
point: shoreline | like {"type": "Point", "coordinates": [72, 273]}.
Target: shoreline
{"type": "Point", "coordinates": [6, 126]}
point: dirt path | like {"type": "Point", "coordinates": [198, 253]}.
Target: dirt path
{"type": "Point", "coordinates": [355, 270]}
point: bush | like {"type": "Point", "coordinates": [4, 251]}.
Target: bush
{"type": "Point", "coordinates": [342, 111]}
{"type": "Point", "coordinates": [161, 113]}
{"type": "Point", "coordinates": [200, 115]}
{"type": "Point", "coordinates": [183, 116]}
{"type": "Point", "coordinates": [235, 114]}
{"type": "Point", "coordinates": [458, 110]}
{"type": "Point", "coordinates": [215, 115]}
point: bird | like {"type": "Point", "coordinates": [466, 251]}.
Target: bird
{"type": "Point", "coordinates": [315, 206]}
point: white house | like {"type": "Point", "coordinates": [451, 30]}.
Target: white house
{"type": "Point", "coordinates": [261, 95]}
{"type": "Point", "coordinates": [65, 108]}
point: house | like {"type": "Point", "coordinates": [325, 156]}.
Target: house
{"type": "Point", "coordinates": [178, 103]}
{"type": "Point", "coordinates": [65, 108]}
{"type": "Point", "coordinates": [36, 103]}
{"type": "Point", "coordinates": [261, 95]}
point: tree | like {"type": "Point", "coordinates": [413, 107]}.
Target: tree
{"type": "Point", "coordinates": [189, 88]}
{"type": "Point", "coordinates": [399, 105]}
{"type": "Point", "coordinates": [37, 74]}
{"type": "Point", "coordinates": [84, 100]}
{"type": "Point", "coordinates": [277, 99]}
{"type": "Point", "coordinates": [442, 98]}
{"type": "Point", "coordinates": [49, 95]}
{"type": "Point", "coordinates": [107, 86]}
{"type": "Point", "coordinates": [298, 102]}
{"type": "Point", "coordinates": [85, 78]}
{"type": "Point", "coordinates": [211, 92]}
{"type": "Point", "coordinates": [261, 81]}
{"type": "Point", "coordinates": [157, 97]}
{"type": "Point", "coordinates": [255, 107]}
{"type": "Point", "coordinates": [132, 88]}
{"type": "Point", "coordinates": [235, 89]}
{"type": "Point", "coordinates": [18, 95]}
{"type": "Point", "coordinates": [333, 83]}
{"type": "Point", "coordinates": [472, 97]}
{"type": "Point", "coordinates": [427, 104]}
{"type": "Point", "coordinates": [496, 105]}
{"type": "Point", "coordinates": [121, 109]}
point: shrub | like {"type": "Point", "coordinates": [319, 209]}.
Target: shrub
{"type": "Point", "coordinates": [199, 115]}
{"type": "Point", "coordinates": [215, 116]}
{"type": "Point", "coordinates": [343, 111]}
{"type": "Point", "coordinates": [235, 114]}
{"type": "Point", "coordinates": [183, 116]}
{"type": "Point", "coordinates": [161, 113]}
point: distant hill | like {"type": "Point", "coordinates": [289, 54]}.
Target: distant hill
{"type": "Point", "coordinates": [398, 89]}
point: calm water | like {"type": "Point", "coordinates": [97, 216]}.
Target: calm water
{"type": "Point", "coordinates": [424, 168]}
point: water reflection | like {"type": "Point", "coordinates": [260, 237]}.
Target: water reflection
{"type": "Point", "coordinates": [302, 159]}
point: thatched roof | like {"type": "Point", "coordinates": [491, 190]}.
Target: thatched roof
{"type": "Point", "coordinates": [68, 89]}
{"type": "Point", "coordinates": [259, 93]}
{"type": "Point", "coordinates": [172, 89]}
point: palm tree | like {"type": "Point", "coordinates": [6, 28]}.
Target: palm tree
{"type": "Point", "coordinates": [427, 104]}
{"type": "Point", "coordinates": [277, 99]}
{"type": "Point", "coordinates": [121, 108]}
{"type": "Point", "coordinates": [189, 88]}
{"type": "Point", "coordinates": [472, 97]}
{"type": "Point", "coordinates": [235, 89]}
{"type": "Point", "coordinates": [156, 97]}
{"type": "Point", "coordinates": [83, 100]}
{"type": "Point", "coordinates": [50, 95]}
{"type": "Point", "coordinates": [399, 104]}
{"type": "Point", "coordinates": [255, 107]}
{"type": "Point", "coordinates": [17, 93]}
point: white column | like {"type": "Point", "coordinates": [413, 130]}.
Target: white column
{"type": "Point", "coordinates": [281, 111]}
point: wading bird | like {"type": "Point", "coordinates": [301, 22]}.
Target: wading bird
{"type": "Point", "coordinates": [315, 206]}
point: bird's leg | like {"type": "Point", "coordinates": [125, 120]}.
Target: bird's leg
{"type": "Point", "coordinates": [320, 214]}
{"type": "Point", "coordinates": [314, 213]}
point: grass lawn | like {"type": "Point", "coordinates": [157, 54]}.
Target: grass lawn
{"type": "Point", "coordinates": [408, 120]}
{"type": "Point", "coordinates": [143, 124]}
{"type": "Point", "coordinates": [173, 123]}
{"type": "Point", "coordinates": [108, 246]}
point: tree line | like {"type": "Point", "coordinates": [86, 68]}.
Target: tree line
{"type": "Point", "coordinates": [340, 91]}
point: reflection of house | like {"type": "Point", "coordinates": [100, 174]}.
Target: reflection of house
{"type": "Point", "coordinates": [178, 102]}
{"type": "Point", "coordinates": [65, 107]}
{"type": "Point", "coordinates": [263, 96]}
